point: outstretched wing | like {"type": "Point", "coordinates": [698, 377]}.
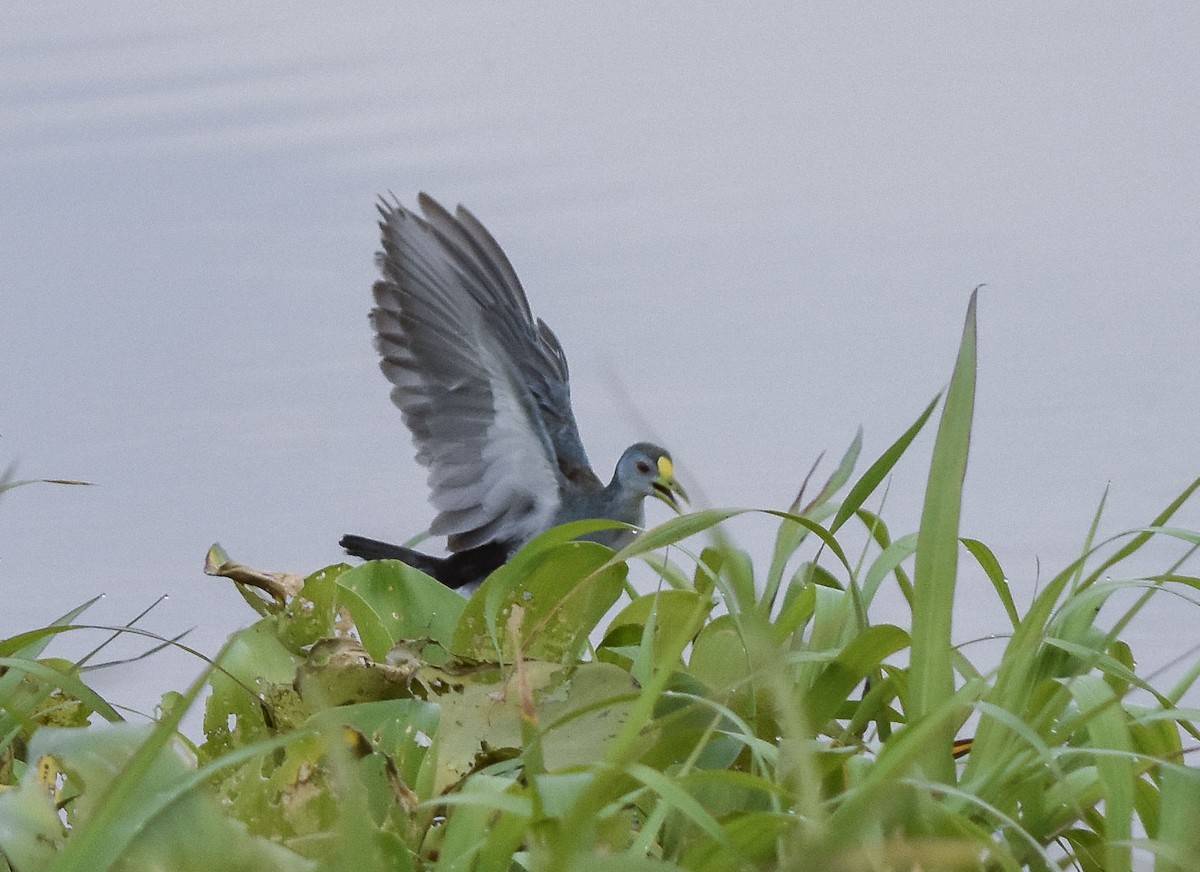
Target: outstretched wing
{"type": "Point", "coordinates": [481, 384]}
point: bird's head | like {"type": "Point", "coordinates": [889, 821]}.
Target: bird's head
{"type": "Point", "coordinates": [647, 470]}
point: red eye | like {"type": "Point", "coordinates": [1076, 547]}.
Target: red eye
{"type": "Point", "coordinates": [643, 467]}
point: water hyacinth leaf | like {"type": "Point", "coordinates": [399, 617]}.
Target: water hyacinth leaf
{"type": "Point", "coordinates": [707, 567]}
{"type": "Point", "coordinates": [799, 603]}
{"type": "Point", "coordinates": [502, 587]}
{"type": "Point", "coordinates": [563, 593]}
{"type": "Point", "coordinates": [253, 664]}
{"type": "Point", "coordinates": [312, 613]}
{"type": "Point", "coordinates": [579, 713]}
{"type": "Point", "coordinates": [390, 601]}
{"type": "Point", "coordinates": [833, 623]}
{"type": "Point", "coordinates": [675, 611]}
{"type": "Point", "coordinates": [402, 729]}
{"type": "Point", "coordinates": [719, 657]}
{"type": "Point", "coordinates": [338, 672]}
{"type": "Point", "coordinates": [279, 586]}
{"type": "Point", "coordinates": [31, 834]}
{"type": "Point", "coordinates": [128, 784]}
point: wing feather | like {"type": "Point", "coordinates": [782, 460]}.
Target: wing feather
{"type": "Point", "coordinates": [481, 385]}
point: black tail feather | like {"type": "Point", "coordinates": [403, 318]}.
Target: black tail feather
{"type": "Point", "coordinates": [461, 568]}
{"type": "Point", "coordinates": [373, 549]}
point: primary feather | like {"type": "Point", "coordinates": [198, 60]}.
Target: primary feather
{"type": "Point", "coordinates": [483, 387]}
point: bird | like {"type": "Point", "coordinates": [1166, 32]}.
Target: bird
{"type": "Point", "coordinates": [483, 387]}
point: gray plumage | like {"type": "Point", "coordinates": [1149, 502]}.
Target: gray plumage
{"type": "Point", "coordinates": [483, 387]}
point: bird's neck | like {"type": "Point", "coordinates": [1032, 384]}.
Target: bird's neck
{"type": "Point", "coordinates": [625, 505]}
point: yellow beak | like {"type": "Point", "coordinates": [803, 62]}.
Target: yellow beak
{"type": "Point", "coordinates": [665, 487]}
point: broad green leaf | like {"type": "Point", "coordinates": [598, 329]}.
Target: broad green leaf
{"type": "Point", "coordinates": [312, 613]}
{"type": "Point", "coordinates": [719, 657]}
{"type": "Point", "coordinates": [254, 665]}
{"type": "Point", "coordinates": [562, 593]}
{"type": "Point", "coordinates": [675, 611]}
{"type": "Point", "coordinates": [799, 603]}
{"type": "Point", "coordinates": [390, 601]}
{"type": "Point", "coordinates": [578, 714]}
{"type": "Point", "coordinates": [403, 729]}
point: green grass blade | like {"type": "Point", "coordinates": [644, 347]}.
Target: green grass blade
{"type": "Point", "coordinates": [991, 566]}
{"type": "Point", "coordinates": [1177, 832]}
{"type": "Point", "coordinates": [937, 554]}
{"type": "Point", "coordinates": [1107, 728]}
{"type": "Point", "coordinates": [841, 475]}
{"type": "Point", "coordinates": [1142, 538]}
{"type": "Point", "coordinates": [95, 845]}
{"type": "Point", "coordinates": [879, 470]}
{"type": "Point", "coordinates": [857, 660]}
{"type": "Point", "coordinates": [18, 666]}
